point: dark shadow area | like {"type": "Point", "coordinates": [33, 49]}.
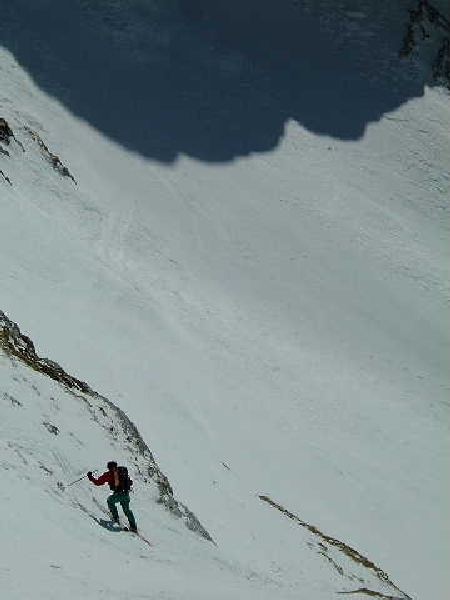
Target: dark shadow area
{"type": "Point", "coordinates": [214, 80]}
{"type": "Point", "coordinates": [109, 525]}
{"type": "Point", "coordinates": [106, 524]}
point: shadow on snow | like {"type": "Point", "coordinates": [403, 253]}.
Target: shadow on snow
{"type": "Point", "coordinates": [213, 80]}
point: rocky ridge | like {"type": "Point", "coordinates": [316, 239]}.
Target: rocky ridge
{"type": "Point", "coordinates": [20, 347]}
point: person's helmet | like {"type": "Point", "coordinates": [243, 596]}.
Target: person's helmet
{"type": "Point", "coordinates": [111, 465]}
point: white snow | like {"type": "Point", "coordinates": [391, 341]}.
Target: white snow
{"type": "Point", "coordinates": [276, 324]}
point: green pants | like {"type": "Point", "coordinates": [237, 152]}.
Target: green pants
{"type": "Point", "coordinates": [122, 498]}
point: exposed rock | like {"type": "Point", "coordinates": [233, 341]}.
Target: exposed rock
{"type": "Point", "coordinates": [350, 552]}
{"type": "Point", "coordinates": [5, 131]}
{"type": "Point", "coordinates": [51, 428]}
{"type": "Point", "coordinates": [21, 347]}
{"type": "Point", "coordinates": [53, 159]}
{"type": "Point", "coordinates": [5, 177]}
{"type": "Point", "coordinates": [427, 23]}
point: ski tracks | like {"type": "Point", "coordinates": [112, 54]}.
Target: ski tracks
{"type": "Point", "coordinates": [113, 237]}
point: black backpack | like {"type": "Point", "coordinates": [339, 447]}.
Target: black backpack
{"type": "Point", "coordinates": [124, 480]}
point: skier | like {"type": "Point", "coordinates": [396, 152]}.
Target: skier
{"type": "Point", "coordinates": [120, 485]}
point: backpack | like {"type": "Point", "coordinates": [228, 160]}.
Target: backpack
{"type": "Point", "coordinates": [124, 480]}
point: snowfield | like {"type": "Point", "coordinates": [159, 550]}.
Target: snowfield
{"type": "Point", "coordinates": [256, 270]}
{"type": "Point", "coordinates": [61, 531]}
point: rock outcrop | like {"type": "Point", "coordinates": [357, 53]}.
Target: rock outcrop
{"type": "Point", "coordinates": [5, 131]}
{"type": "Point", "coordinates": [19, 346]}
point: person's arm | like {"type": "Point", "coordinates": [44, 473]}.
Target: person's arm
{"type": "Point", "coordinates": [101, 480]}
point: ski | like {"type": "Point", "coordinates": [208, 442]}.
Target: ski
{"type": "Point", "coordinates": [139, 535]}
{"type": "Point", "coordinates": [145, 540]}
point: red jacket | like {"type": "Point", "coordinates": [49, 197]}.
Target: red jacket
{"type": "Point", "coordinates": [107, 477]}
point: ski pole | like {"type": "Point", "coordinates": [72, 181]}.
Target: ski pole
{"type": "Point", "coordinates": [77, 480]}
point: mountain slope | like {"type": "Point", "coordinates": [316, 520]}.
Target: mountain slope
{"type": "Point", "coordinates": [58, 528]}
{"type": "Point", "coordinates": [274, 324]}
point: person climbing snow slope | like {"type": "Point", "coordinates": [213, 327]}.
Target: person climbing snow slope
{"type": "Point", "coordinates": [120, 485]}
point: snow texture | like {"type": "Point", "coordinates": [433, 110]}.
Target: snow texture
{"type": "Point", "coordinates": [249, 259]}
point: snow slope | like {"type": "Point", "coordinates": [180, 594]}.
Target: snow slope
{"type": "Point", "coordinates": [58, 528]}
{"type": "Point", "coordinates": [267, 302]}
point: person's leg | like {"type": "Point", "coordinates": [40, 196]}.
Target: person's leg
{"type": "Point", "coordinates": [112, 501]}
{"type": "Point", "coordinates": [125, 504]}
